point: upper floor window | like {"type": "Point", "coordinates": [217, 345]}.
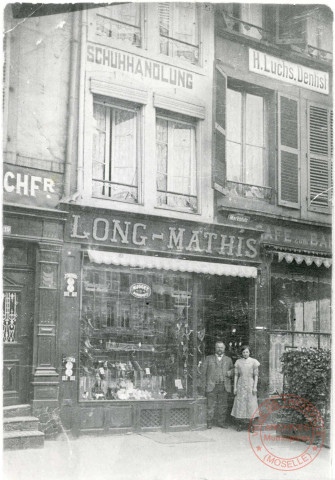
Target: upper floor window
{"type": "Point", "coordinates": [176, 163]}
{"type": "Point", "coordinates": [301, 24]}
{"type": "Point", "coordinates": [178, 30]}
{"type": "Point", "coordinates": [306, 29]}
{"type": "Point", "coordinates": [121, 22]}
{"type": "Point", "coordinates": [115, 152]}
{"type": "Point", "coordinates": [244, 18]}
{"type": "Point", "coordinates": [245, 138]}
{"type": "Point", "coordinates": [319, 30]}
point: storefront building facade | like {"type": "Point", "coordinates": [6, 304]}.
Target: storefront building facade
{"type": "Point", "coordinates": [273, 150]}
{"type": "Point", "coordinates": [136, 230]}
{"type": "Point", "coordinates": [33, 165]}
{"type": "Point", "coordinates": [148, 290]}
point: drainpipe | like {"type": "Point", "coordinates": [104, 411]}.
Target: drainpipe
{"type": "Point", "coordinates": [80, 161]}
{"type": "Point", "coordinates": [71, 103]}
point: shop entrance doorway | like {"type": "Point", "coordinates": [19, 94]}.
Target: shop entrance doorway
{"type": "Point", "coordinates": [228, 306]}
{"type": "Point", "coordinates": [18, 303]}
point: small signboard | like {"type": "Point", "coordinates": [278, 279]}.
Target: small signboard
{"type": "Point", "coordinates": [140, 290]}
{"type": "Point", "coordinates": [68, 369]}
{"type": "Point", "coordinates": [71, 285]}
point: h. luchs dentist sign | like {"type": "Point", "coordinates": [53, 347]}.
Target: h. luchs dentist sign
{"type": "Point", "coordinates": [279, 69]}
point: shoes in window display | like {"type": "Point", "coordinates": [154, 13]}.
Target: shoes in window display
{"type": "Point", "coordinates": [88, 343]}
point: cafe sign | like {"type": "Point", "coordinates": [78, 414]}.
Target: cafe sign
{"type": "Point", "coordinates": [293, 73]}
{"type": "Point", "coordinates": [171, 236]}
{"type": "Point", "coordinates": [297, 238]}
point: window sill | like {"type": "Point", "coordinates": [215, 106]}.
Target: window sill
{"type": "Point", "coordinates": [129, 401]}
{"type": "Point", "coordinates": [246, 191]}
{"type": "Point", "coordinates": [114, 200]}
{"type": "Point", "coordinates": [324, 210]}
{"type": "Point", "coordinates": [295, 332]}
{"type": "Point", "coordinates": [179, 210]}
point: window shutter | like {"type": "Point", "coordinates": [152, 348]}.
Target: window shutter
{"type": "Point", "coordinates": [288, 152]}
{"type": "Point", "coordinates": [220, 101]}
{"type": "Point", "coordinates": [319, 153]}
{"type": "Point", "coordinates": [290, 25]}
{"type": "Point", "coordinates": [164, 18]}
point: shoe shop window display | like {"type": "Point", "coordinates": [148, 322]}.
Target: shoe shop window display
{"type": "Point", "coordinates": [216, 382]}
{"type": "Point", "coordinates": [245, 389]}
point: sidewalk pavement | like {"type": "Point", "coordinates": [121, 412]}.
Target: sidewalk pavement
{"type": "Point", "coordinates": [215, 454]}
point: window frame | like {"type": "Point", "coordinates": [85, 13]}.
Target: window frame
{"type": "Point", "coordinates": [110, 41]}
{"type": "Point", "coordinates": [245, 89]}
{"type": "Point", "coordinates": [125, 330]}
{"type": "Point", "coordinates": [193, 122]}
{"type": "Point", "coordinates": [235, 24]}
{"type": "Point", "coordinates": [112, 104]}
{"type": "Point", "coordinates": [315, 279]}
{"type": "Point", "coordinates": [300, 40]}
{"type": "Point", "coordinates": [199, 36]}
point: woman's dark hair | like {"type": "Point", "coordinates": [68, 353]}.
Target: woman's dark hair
{"type": "Point", "coordinates": [245, 347]}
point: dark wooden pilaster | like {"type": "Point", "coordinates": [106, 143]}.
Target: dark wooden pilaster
{"type": "Point", "coordinates": [260, 331]}
{"type": "Point", "coordinates": [45, 382]}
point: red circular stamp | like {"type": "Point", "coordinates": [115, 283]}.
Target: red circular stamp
{"type": "Point", "coordinates": [277, 423]}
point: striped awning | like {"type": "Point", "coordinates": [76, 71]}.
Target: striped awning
{"type": "Point", "coordinates": [308, 259]}
{"type": "Point", "coordinates": [174, 264]}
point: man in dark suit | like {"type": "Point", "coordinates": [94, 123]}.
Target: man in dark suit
{"type": "Point", "coordinates": [216, 381]}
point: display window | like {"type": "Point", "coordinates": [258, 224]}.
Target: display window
{"type": "Point", "coordinates": [301, 299]}
{"type": "Point", "coordinates": [136, 334]}
{"type": "Point", "coordinates": [144, 332]}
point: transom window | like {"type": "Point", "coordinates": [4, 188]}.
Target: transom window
{"type": "Point", "coordinates": [121, 22]}
{"type": "Point", "coordinates": [176, 163]}
{"type": "Point", "coordinates": [178, 30]}
{"type": "Point", "coordinates": [115, 147]}
{"type": "Point", "coordinates": [245, 138]}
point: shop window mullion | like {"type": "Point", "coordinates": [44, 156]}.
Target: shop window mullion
{"type": "Point", "coordinates": [169, 158]}
{"type": "Point", "coordinates": [195, 309]}
{"type": "Point", "coordinates": [243, 136]}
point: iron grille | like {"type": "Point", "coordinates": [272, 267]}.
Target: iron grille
{"type": "Point", "coordinates": [179, 416]}
{"type": "Point", "coordinates": [151, 418]}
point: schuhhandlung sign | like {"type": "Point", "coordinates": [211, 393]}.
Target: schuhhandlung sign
{"type": "Point", "coordinates": [279, 69]}
{"type": "Point", "coordinates": [150, 234]}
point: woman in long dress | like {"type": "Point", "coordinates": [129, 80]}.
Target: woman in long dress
{"type": "Point", "coordinates": [245, 388]}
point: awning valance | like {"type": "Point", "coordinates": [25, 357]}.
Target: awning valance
{"type": "Point", "coordinates": [174, 264]}
{"type": "Point", "coordinates": [298, 258]}
{"type": "Point", "coordinates": [300, 278]}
